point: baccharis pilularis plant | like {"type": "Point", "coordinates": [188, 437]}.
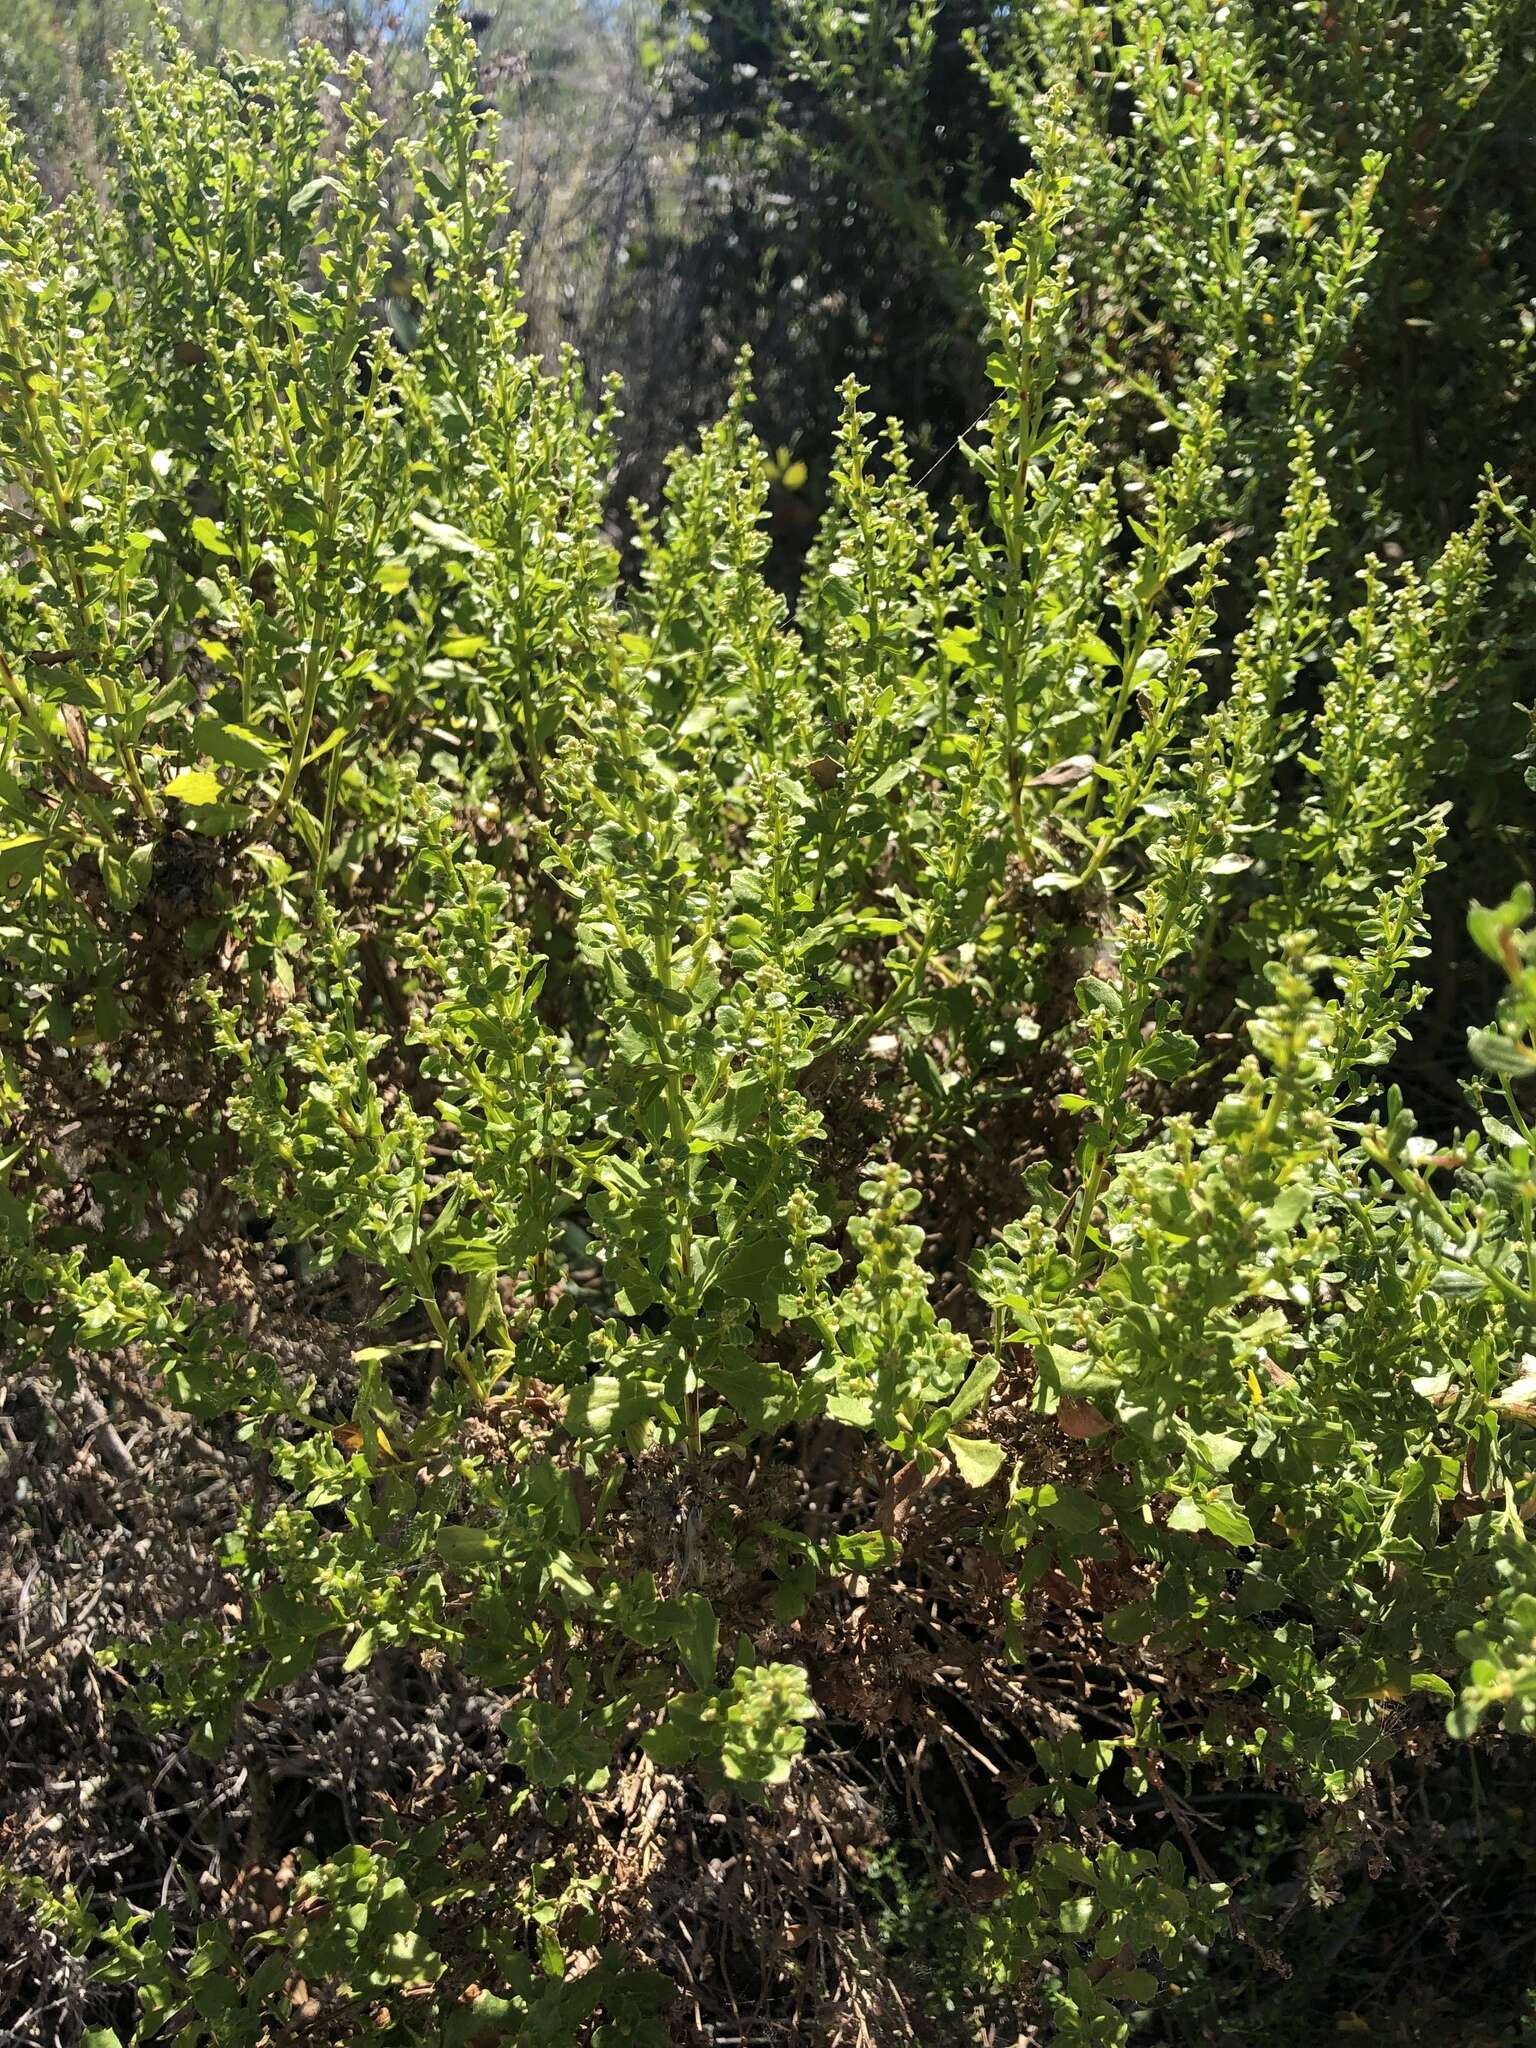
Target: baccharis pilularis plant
{"type": "Point", "coordinates": [784, 1223]}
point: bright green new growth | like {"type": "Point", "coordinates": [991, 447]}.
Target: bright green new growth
{"type": "Point", "coordinates": [814, 1147]}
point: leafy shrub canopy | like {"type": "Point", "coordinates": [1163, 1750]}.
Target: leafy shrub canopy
{"type": "Point", "coordinates": [754, 1195]}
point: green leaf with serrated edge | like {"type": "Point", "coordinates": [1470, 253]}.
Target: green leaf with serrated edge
{"type": "Point", "coordinates": [209, 536]}
{"type": "Point", "coordinates": [360, 1653]}
{"type": "Point", "coordinates": [696, 1632]}
{"type": "Point", "coordinates": [233, 746]}
{"type": "Point", "coordinates": [195, 786]}
{"type": "Point", "coordinates": [1225, 1519]}
{"type": "Point", "coordinates": [977, 1461]}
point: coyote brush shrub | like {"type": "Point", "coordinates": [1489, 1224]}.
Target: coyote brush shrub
{"type": "Point", "coordinates": [794, 1226]}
